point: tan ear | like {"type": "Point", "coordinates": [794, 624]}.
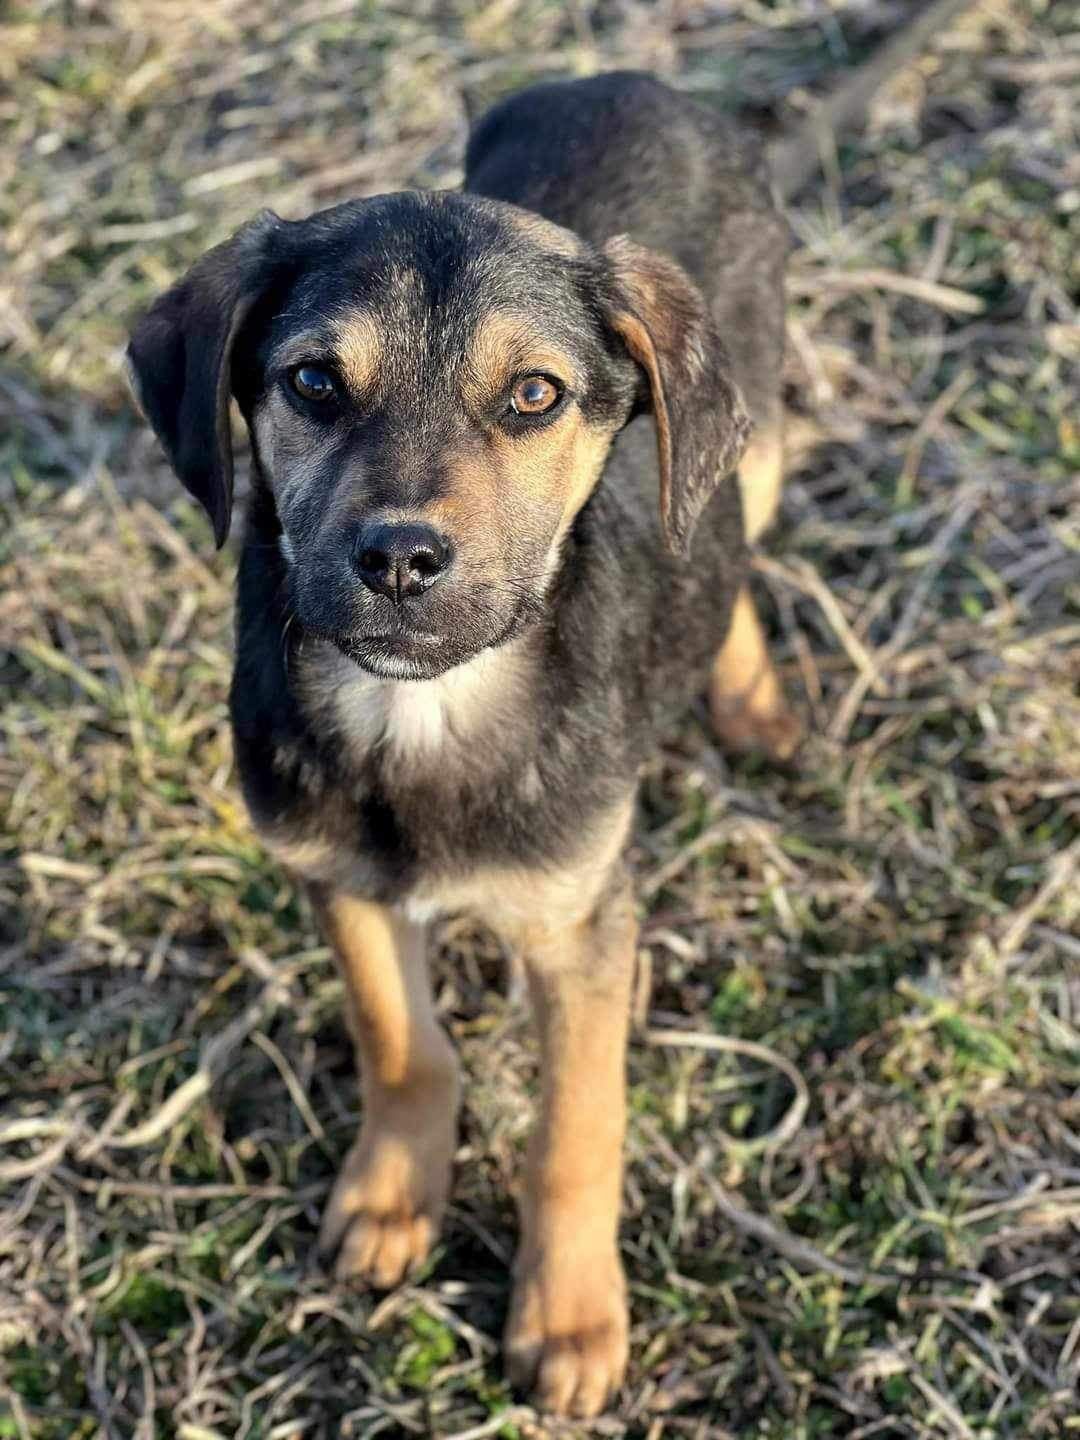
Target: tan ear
{"type": "Point", "coordinates": [701, 422]}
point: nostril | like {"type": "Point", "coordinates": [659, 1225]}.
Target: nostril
{"type": "Point", "coordinates": [372, 561]}
{"type": "Point", "coordinates": [425, 564]}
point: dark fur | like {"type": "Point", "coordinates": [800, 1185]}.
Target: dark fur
{"type": "Point", "coordinates": [625, 633]}
{"type": "Point", "coordinates": [629, 631]}
{"type": "Point", "coordinates": [598, 554]}
{"type": "Point", "coordinates": [627, 639]}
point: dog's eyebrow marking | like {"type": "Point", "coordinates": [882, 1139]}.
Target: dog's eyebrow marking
{"type": "Point", "coordinates": [546, 234]}
{"type": "Point", "coordinates": [313, 345]}
{"type": "Point", "coordinates": [352, 341]}
{"type": "Point", "coordinates": [358, 346]}
{"type": "Point", "coordinates": [504, 344]}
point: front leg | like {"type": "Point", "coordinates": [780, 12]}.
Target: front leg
{"type": "Point", "coordinates": [567, 1331]}
{"type": "Point", "coordinates": [384, 1211]}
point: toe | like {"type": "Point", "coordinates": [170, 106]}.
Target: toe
{"type": "Point", "coordinates": [393, 1253]}
{"type": "Point", "coordinates": [357, 1249]}
{"type": "Point", "coordinates": [593, 1391]}
{"type": "Point", "coordinates": [572, 1362]}
{"type": "Point", "coordinates": [776, 734]}
{"type": "Point", "coordinates": [381, 1250]}
{"type": "Point", "coordinates": [522, 1360]}
{"type": "Point", "coordinates": [782, 735]}
{"type": "Point", "coordinates": [422, 1239]}
{"type": "Point", "coordinates": [336, 1220]}
{"type": "Point", "coordinates": [557, 1379]}
{"type": "Point", "coordinates": [576, 1374]}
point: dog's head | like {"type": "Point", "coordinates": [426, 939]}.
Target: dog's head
{"type": "Point", "coordinates": [432, 382]}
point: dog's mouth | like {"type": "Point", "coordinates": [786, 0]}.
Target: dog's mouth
{"type": "Point", "coordinates": [400, 654]}
{"type": "Point", "coordinates": [410, 653]}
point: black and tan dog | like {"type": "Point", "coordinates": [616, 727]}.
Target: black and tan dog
{"type": "Point", "coordinates": [471, 596]}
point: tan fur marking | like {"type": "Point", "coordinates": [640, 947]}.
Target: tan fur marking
{"type": "Point", "coordinates": [358, 345]}
{"type": "Point", "coordinates": [567, 1329]}
{"type": "Point", "coordinates": [575, 925]}
{"type": "Point", "coordinates": [590, 452]}
{"type": "Point", "coordinates": [746, 700]}
{"type": "Point", "coordinates": [504, 344]}
{"type": "Point", "coordinates": [544, 234]}
{"type": "Point", "coordinates": [559, 462]}
{"type": "Point", "coordinates": [385, 1208]}
{"type": "Point", "coordinates": [761, 475]}
{"type": "Point", "coordinates": [552, 469]}
{"type": "Point", "coordinates": [526, 487]}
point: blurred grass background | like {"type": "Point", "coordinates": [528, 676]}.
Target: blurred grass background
{"type": "Point", "coordinates": [896, 917]}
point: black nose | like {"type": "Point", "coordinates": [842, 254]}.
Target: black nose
{"type": "Point", "coordinates": [400, 560]}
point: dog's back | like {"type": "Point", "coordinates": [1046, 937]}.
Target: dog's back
{"type": "Point", "coordinates": [619, 154]}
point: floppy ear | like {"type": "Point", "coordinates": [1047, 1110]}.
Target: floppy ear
{"type": "Point", "coordinates": [180, 362]}
{"type": "Point", "coordinates": [701, 422]}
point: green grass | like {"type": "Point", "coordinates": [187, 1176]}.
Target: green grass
{"type": "Point", "coordinates": [896, 916]}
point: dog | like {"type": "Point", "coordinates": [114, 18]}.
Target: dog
{"type": "Point", "coordinates": [510, 446]}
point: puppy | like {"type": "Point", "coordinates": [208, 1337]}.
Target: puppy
{"type": "Point", "coordinates": [496, 542]}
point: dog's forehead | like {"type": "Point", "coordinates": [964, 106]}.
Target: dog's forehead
{"type": "Point", "coordinates": [439, 263]}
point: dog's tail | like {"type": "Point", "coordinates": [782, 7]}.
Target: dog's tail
{"type": "Point", "coordinates": [794, 158]}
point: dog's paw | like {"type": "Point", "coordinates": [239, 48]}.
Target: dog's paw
{"type": "Point", "coordinates": [386, 1206]}
{"type": "Point", "coordinates": [566, 1338]}
{"type": "Point", "coordinates": [776, 733]}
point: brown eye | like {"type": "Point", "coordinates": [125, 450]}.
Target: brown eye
{"type": "Point", "coordinates": [312, 383]}
{"type": "Point", "coordinates": [534, 395]}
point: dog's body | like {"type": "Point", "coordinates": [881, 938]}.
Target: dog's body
{"type": "Point", "coordinates": [507, 761]}
{"type": "Point", "coordinates": [505, 784]}
{"type": "Point", "coordinates": [464, 619]}
{"type": "Point", "coordinates": [460, 724]}
{"type": "Point", "coordinates": [403, 787]}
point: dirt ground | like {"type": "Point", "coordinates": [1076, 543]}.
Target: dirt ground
{"type": "Point", "coordinates": [894, 918]}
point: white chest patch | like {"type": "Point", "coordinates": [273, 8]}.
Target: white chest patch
{"type": "Point", "coordinates": [412, 718]}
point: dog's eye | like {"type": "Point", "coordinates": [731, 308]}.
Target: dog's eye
{"type": "Point", "coordinates": [312, 383]}
{"type": "Point", "coordinates": [534, 395]}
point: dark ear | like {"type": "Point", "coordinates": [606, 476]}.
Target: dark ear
{"type": "Point", "coordinates": [180, 361]}
{"type": "Point", "coordinates": [701, 422]}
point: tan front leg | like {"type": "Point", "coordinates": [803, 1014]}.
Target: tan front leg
{"type": "Point", "coordinates": [567, 1331]}
{"type": "Point", "coordinates": [746, 700]}
{"type": "Point", "coordinates": [384, 1211]}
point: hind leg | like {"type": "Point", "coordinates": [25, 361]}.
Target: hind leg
{"type": "Point", "coordinates": [761, 475]}
{"type": "Point", "coordinates": [747, 702]}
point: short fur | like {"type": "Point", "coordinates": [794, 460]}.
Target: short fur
{"type": "Point", "coordinates": [475, 742]}
{"type": "Point", "coordinates": [478, 744]}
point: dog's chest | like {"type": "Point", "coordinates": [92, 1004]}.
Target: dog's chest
{"type": "Point", "coordinates": [473, 815]}
{"type": "Point", "coordinates": [412, 725]}
{"type": "Point", "coordinates": [427, 778]}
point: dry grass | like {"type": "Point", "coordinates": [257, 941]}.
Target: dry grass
{"type": "Point", "coordinates": [897, 919]}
